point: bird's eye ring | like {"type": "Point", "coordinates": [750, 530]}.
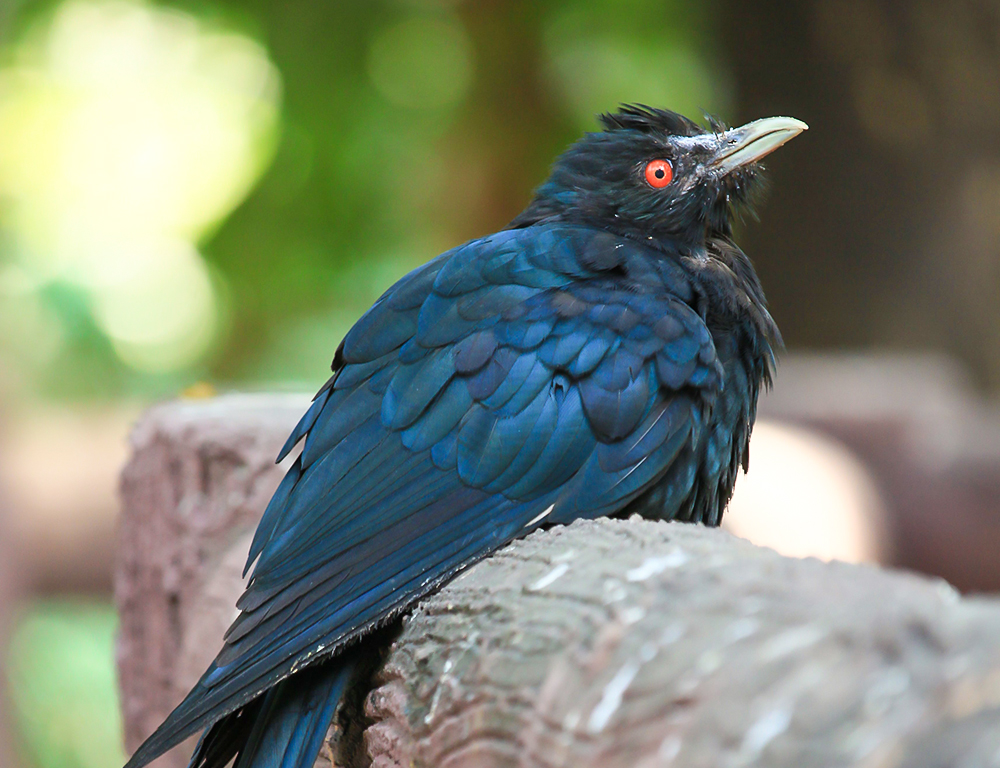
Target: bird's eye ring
{"type": "Point", "coordinates": [659, 173]}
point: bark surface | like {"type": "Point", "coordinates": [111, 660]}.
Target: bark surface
{"type": "Point", "coordinates": [607, 643]}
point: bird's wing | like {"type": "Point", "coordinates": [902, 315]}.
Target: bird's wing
{"type": "Point", "coordinates": [521, 379]}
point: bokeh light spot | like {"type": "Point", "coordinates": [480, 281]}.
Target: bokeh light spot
{"type": "Point", "coordinates": [163, 316]}
{"type": "Point", "coordinates": [127, 132]}
{"type": "Point", "coordinates": [62, 684]}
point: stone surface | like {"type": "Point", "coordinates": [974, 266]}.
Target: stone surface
{"type": "Point", "coordinates": [200, 476]}
{"type": "Point", "coordinates": [610, 643]}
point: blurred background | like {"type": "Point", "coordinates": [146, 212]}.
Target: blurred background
{"type": "Point", "coordinates": [203, 195]}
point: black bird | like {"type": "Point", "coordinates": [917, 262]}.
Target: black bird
{"type": "Point", "coordinates": [602, 355]}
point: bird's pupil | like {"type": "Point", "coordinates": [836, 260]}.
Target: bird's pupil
{"type": "Point", "coordinates": [658, 173]}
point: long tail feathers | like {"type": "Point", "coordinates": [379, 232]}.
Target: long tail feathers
{"type": "Point", "coordinates": [284, 728]}
{"type": "Point", "coordinates": [224, 740]}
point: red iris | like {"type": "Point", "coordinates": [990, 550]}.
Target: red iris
{"type": "Point", "coordinates": [659, 173]}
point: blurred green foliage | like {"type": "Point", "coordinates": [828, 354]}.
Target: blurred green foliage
{"type": "Point", "coordinates": [405, 128]}
{"type": "Point", "coordinates": [62, 685]}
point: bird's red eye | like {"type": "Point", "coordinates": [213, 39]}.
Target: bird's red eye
{"type": "Point", "coordinates": [659, 173]}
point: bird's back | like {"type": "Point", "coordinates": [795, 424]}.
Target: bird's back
{"type": "Point", "coordinates": [532, 377]}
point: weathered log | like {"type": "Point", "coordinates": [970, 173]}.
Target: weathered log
{"type": "Point", "coordinates": [610, 643]}
{"type": "Point", "coordinates": [639, 644]}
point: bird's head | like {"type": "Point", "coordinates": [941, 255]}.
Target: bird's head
{"type": "Point", "coordinates": [654, 173]}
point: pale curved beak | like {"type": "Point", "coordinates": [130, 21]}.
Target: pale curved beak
{"type": "Point", "coordinates": [747, 144]}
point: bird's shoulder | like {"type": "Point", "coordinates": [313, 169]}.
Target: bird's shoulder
{"type": "Point", "coordinates": [485, 279]}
